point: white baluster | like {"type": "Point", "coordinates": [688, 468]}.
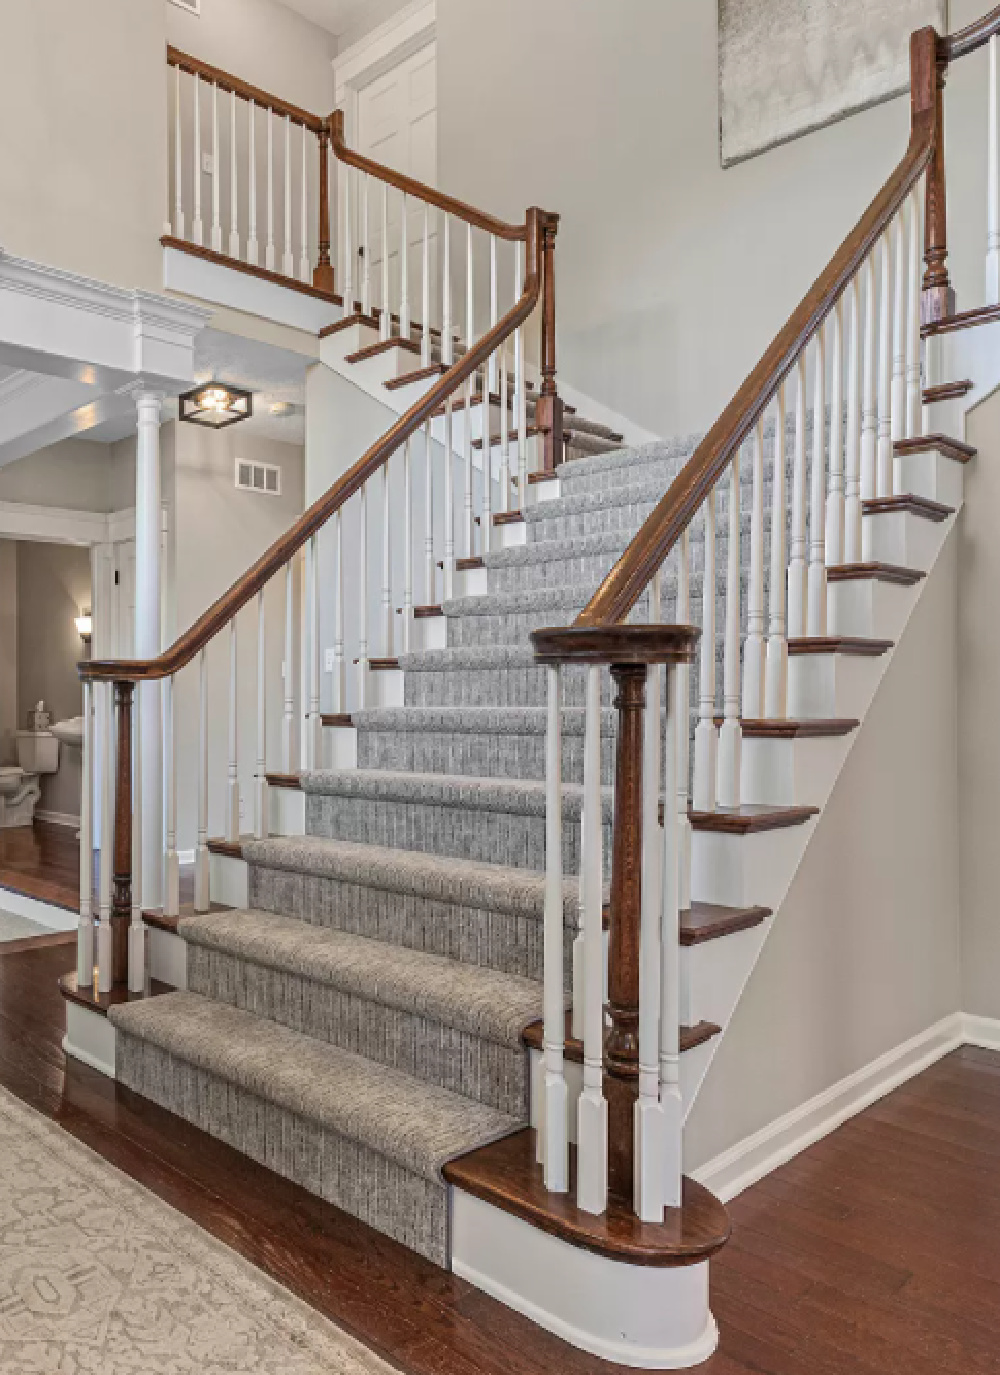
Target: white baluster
{"type": "Point", "coordinates": [493, 309]}
{"type": "Point", "coordinates": [425, 294]}
{"type": "Point", "coordinates": [555, 1142]}
{"type": "Point", "coordinates": [305, 273]}
{"type": "Point", "coordinates": [350, 295]}
{"type": "Point", "coordinates": [852, 459]}
{"type": "Point", "coordinates": [105, 735]}
{"type": "Point", "coordinates": [385, 320]}
{"type": "Point", "coordinates": [233, 784]}
{"type": "Point", "coordinates": [671, 1104]}
{"type": "Point", "coordinates": [649, 1142]}
{"type": "Point", "coordinates": [731, 735]}
{"type": "Point", "coordinates": [835, 495]}
{"type": "Point", "coordinates": [914, 399]}
{"type": "Point", "coordinates": [137, 927]}
{"type": "Point", "coordinates": [315, 718]}
{"type": "Point", "coordinates": [269, 253]}
{"type": "Point", "coordinates": [816, 611]}
{"type": "Point", "coordinates": [706, 735]}
{"type": "Point", "coordinates": [288, 256]}
{"type": "Point", "coordinates": [449, 501]}
{"type": "Point", "coordinates": [430, 580]}
{"type": "Point", "coordinates": [253, 250]}
{"type": "Point", "coordinates": [470, 330]}
{"type": "Point", "coordinates": [197, 227]}
{"type": "Point", "coordinates": [366, 276]}
{"type": "Point", "coordinates": [178, 166]}
{"type": "Point", "coordinates": [288, 679]}
{"type": "Point", "coordinates": [216, 174]}
{"type": "Point", "coordinates": [993, 184]}
{"type": "Point", "coordinates": [447, 353]}
{"type": "Point", "coordinates": [363, 599]}
{"type": "Point", "coordinates": [386, 566]}
{"type": "Point", "coordinates": [486, 540]}
{"type": "Point", "coordinates": [504, 430]}
{"type": "Point", "coordinates": [520, 398]}
{"type": "Point", "coordinates": [407, 543]}
{"type": "Point", "coordinates": [339, 665]}
{"type": "Point", "coordinates": [883, 479]}
{"type": "Point", "coordinates": [85, 934]}
{"type": "Point", "coordinates": [776, 662]}
{"type": "Point", "coordinates": [753, 650]}
{"type": "Point", "coordinates": [797, 568]}
{"type": "Point", "coordinates": [592, 1108]}
{"type": "Point", "coordinates": [897, 400]}
{"type": "Point", "coordinates": [404, 271]}
{"type": "Point", "coordinates": [869, 395]}
{"type": "Point", "coordinates": [201, 856]}
{"type": "Point", "coordinates": [260, 827]}
{"type": "Point", "coordinates": [171, 863]}
{"type": "Point", "coordinates": [682, 727]}
{"type": "Point", "coordinates": [234, 200]}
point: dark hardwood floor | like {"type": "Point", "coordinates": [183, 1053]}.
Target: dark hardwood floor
{"type": "Point", "coordinates": [42, 861]}
{"type": "Point", "coordinates": [875, 1252]}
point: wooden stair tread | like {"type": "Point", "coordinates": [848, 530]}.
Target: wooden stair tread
{"type": "Point", "coordinates": [102, 1001]}
{"type": "Point", "coordinates": [338, 719]}
{"type": "Point", "coordinates": [789, 730]}
{"type": "Point", "coordinates": [530, 432]}
{"type": "Point", "coordinates": [947, 391]}
{"type": "Point", "coordinates": [506, 1175]}
{"type": "Point", "coordinates": [508, 518]}
{"type": "Point", "coordinates": [917, 506]}
{"type": "Point", "coordinates": [690, 1036]}
{"type": "Point", "coordinates": [424, 613]}
{"type": "Point", "coordinates": [542, 477]}
{"type": "Point", "coordinates": [283, 780]}
{"type": "Point", "coordinates": [878, 572]}
{"type": "Point", "coordinates": [466, 565]}
{"type": "Point", "coordinates": [856, 645]}
{"type": "Point", "coordinates": [750, 818]}
{"type": "Point", "coordinates": [964, 319]}
{"type": "Point", "coordinates": [383, 346]}
{"type": "Point", "coordinates": [382, 665]}
{"type": "Point", "coordinates": [232, 849]}
{"type": "Point", "coordinates": [418, 375]}
{"type": "Point", "coordinates": [372, 319]}
{"type": "Point", "coordinates": [249, 270]}
{"type": "Point", "coordinates": [951, 448]}
{"type": "Point", "coordinates": [709, 921]}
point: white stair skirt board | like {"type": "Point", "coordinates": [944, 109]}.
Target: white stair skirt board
{"type": "Point", "coordinates": [90, 1037]}
{"type": "Point", "coordinates": [228, 880]}
{"type": "Point", "coordinates": [227, 286]}
{"type": "Point", "coordinates": [167, 957]}
{"type": "Point", "coordinates": [45, 913]}
{"type": "Point", "coordinates": [286, 811]}
{"type": "Point", "coordinates": [757, 1155]}
{"type": "Point", "coordinates": [652, 1317]}
{"type": "Point", "coordinates": [340, 747]}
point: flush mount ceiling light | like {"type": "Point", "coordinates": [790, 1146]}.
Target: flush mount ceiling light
{"type": "Point", "coordinates": [216, 405]}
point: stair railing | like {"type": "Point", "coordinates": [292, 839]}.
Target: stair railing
{"type": "Point", "coordinates": [842, 379]}
{"type": "Point", "coordinates": [112, 938]}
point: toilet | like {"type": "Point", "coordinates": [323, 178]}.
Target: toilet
{"type": "Point", "coordinates": [20, 788]}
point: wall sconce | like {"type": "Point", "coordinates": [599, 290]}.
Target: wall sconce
{"type": "Point", "coordinates": [216, 405]}
{"type": "Point", "coordinates": [85, 625]}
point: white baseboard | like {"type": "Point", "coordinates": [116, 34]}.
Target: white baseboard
{"type": "Point", "coordinates": [45, 913]}
{"type": "Point", "coordinates": [981, 1031]}
{"type": "Point", "coordinates": [57, 818]}
{"type": "Point", "coordinates": [757, 1155]}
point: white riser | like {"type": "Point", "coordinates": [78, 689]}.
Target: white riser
{"type": "Point", "coordinates": [228, 881]}
{"type": "Point", "coordinates": [900, 537]}
{"type": "Point", "coordinates": [340, 747]}
{"type": "Point", "coordinates": [868, 608]}
{"type": "Point", "coordinates": [743, 870]}
{"type": "Point", "coordinates": [286, 811]}
{"type": "Point", "coordinates": [335, 347]}
{"type": "Point", "coordinates": [931, 475]}
{"type": "Point", "coordinates": [167, 957]}
{"type": "Point", "coordinates": [90, 1037]}
{"type": "Point", "coordinates": [428, 632]}
{"type": "Point", "coordinates": [823, 686]}
{"type": "Point", "coordinates": [384, 688]}
{"type": "Point", "coordinates": [784, 772]}
{"type": "Point", "coordinates": [511, 536]}
{"type": "Point", "coordinates": [714, 972]}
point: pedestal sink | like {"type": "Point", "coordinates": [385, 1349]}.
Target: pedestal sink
{"type": "Point", "coordinates": [69, 732]}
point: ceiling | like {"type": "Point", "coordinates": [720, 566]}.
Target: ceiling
{"type": "Point", "coordinates": [334, 15]}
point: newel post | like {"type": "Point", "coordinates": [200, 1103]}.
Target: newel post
{"type": "Point", "coordinates": [121, 906]}
{"type": "Point", "coordinates": [928, 71]}
{"type": "Point", "coordinates": [549, 407]}
{"type": "Point", "coordinates": [323, 271]}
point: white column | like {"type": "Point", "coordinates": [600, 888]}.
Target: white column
{"type": "Point", "coordinates": [148, 638]}
{"type": "Point", "coordinates": [993, 186]}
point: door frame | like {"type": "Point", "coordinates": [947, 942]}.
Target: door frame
{"type": "Point", "coordinates": [378, 52]}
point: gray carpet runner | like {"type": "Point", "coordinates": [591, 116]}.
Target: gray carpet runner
{"type": "Point", "coordinates": [361, 1023]}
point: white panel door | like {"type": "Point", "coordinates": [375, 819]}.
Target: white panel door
{"type": "Point", "coordinates": [397, 126]}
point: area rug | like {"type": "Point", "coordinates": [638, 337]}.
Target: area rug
{"type": "Point", "coordinates": [15, 928]}
{"type": "Point", "coordinates": [100, 1277]}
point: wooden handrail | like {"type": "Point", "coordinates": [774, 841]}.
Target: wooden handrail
{"type": "Point", "coordinates": [631, 575]}
{"type": "Point", "coordinates": [460, 209]}
{"type": "Point", "coordinates": [218, 616]}
{"type": "Point", "coordinates": [227, 82]}
{"type": "Point", "coordinates": [973, 36]}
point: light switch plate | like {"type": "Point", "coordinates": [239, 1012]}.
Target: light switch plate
{"type": "Point", "coordinates": [208, 164]}
{"type": "Point", "coordinates": [328, 660]}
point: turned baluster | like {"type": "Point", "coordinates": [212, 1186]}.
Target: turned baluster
{"type": "Point", "coordinates": [121, 903]}
{"type": "Point", "coordinates": [927, 92]}
{"type": "Point", "coordinates": [549, 407]}
{"type": "Point", "coordinates": [323, 276]}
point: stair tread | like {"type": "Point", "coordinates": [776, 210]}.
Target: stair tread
{"type": "Point", "coordinates": [466, 997]}
{"type": "Point", "coordinates": [750, 818]}
{"type": "Point", "coordinates": [947, 391]}
{"type": "Point", "coordinates": [917, 506]}
{"type": "Point", "coordinates": [475, 720]}
{"type": "Point", "coordinates": [383, 346]}
{"type": "Point", "coordinates": [879, 572]}
{"type": "Point", "coordinates": [417, 375]}
{"type": "Point", "coordinates": [522, 796]}
{"type": "Point", "coordinates": [313, 1079]}
{"type": "Point", "coordinates": [857, 645]}
{"type": "Point", "coordinates": [956, 449]}
{"type": "Point", "coordinates": [690, 1037]}
{"type": "Point", "coordinates": [506, 1174]}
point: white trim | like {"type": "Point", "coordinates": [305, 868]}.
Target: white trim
{"type": "Point", "coordinates": [58, 818]}
{"type": "Point", "coordinates": [45, 913]}
{"type": "Point", "coordinates": [90, 1037]}
{"type": "Point", "coordinates": [981, 1031]}
{"type": "Point", "coordinates": [227, 286]}
{"type": "Point", "coordinates": [757, 1155]}
{"type": "Point", "coordinates": [58, 525]}
{"type": "Point", "coordinates": [405, 33]}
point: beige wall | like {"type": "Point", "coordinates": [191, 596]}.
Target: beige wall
{"type": "Point", "coordinates": [862, 955]}
{"type": "Point", "coordinates": [8, 651]}
{"type": "Point", "coordinates": [978, 733]}
{"type": "Point", "coordinates": [75, 475]}
{"type": "Point", "coordinates": [673, 275]}
{"type": "Point", "coordinates": [53, 587]}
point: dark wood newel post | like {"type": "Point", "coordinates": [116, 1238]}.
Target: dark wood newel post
{"type": "Point", "coordinates": [121, 903]}
{"type": "Point", "coordinates": [548, 407]}
{"type": "Point", "coordinates": [323, 271]}
{"type": "Point", "coordinates": [929, 70]}
{"type": "Point", "coordinates": [621, 1045]}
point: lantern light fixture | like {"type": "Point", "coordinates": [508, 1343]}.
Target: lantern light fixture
{"type": "Point", "coordinates": [216, 404]}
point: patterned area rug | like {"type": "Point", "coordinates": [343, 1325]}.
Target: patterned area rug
{"type": "Point", "coordinates": [99, 1277]}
